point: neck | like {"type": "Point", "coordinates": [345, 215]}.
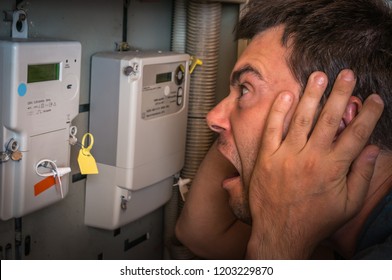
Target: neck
{"type": "Point", "coordinates": [345, 239]}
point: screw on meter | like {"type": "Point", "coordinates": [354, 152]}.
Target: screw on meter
{"type": "Point", "coordinates": [12, 145]}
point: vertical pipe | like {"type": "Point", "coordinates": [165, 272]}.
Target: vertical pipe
{"type": "Point", "coordinates": [178, 37]}
{"type": "Point", "coordinates": [202, 41]}
{"type": "Point", "coordinates": [178, 42]}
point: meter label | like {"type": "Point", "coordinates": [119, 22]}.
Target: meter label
{"type": "Point", "coordinates": [40, 106]}
{"type": "Point", "coordinates": [159, 101]}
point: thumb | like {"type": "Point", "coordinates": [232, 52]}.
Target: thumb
{"type": "Point", "coordinates": [358, 179]}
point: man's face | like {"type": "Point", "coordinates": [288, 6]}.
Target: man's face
{"type": "Point", "coordinates": [259, 75]}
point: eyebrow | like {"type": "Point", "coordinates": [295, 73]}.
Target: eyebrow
{"type": "Point", "coordinates": [236, 75]}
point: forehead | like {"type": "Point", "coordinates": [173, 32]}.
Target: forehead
{"type": "Point", "coordinates": [267, 55]}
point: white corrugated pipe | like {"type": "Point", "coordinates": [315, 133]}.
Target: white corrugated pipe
{"type": "Point", "coordinates": [202, 41]}
{"type": "Point", "coordinates": [202, 30]}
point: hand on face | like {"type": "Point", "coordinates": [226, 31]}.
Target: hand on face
{"type": "Point", "coordinates": [305, 186]}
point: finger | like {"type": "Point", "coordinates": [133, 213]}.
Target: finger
{"type": "Point", "coordinates": [358, 179]}
{"type": "Point", "coordinates": [356, 135]}
{"type": "Point", "coordinates": [273, 130]}
{"type": "Point", "coordinates": [306, 111]}
{"type": "Point", "coordinates": [328, 122]}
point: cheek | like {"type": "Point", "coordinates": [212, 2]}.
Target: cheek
{"type": "Point", "coordinates": [248, 155]}
{"type": "Point", "coordinates": [247, 137]}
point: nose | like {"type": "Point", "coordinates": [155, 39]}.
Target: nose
{"type": "Point", "coordinates": [218, 117]}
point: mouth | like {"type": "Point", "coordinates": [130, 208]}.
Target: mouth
{"type": "Point", "coordinates": [232, 182]}
{"type": "Point", "coordinates": [233, 179]}
{"type": "Point", "coordinates": [237, 199]}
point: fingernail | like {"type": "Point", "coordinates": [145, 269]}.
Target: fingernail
{"type": "Point", "coordinates": [347, 75]}
{"type": "Point", "coordinates": [373, 155]}
{"type": "Point", "coordinates": [286, 97]}
{"type": "Point", "coordinates": [320, 80]}
{"type": "Point", "coordinates": [377, 99]}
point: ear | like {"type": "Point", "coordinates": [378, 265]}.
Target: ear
{"type": "Point", "coordinates": [353, 107]}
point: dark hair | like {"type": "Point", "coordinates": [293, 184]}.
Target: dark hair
{"type": "Point", "coordinates": [331, 35]}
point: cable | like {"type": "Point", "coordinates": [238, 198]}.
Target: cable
{"type": "Point", "coordinates": [56, 172]}
{"type": "Point", "coordinates": [125, 21]}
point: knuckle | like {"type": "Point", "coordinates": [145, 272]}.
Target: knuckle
{"type": "Point", "coordinates": [335, 171]}
{"type": "Point", "coordinates": [361, 132]}
{"type": "Point", "coordinates": [330, 119]}
{"type": "Point", "coordinates": [310, 164]}
{"type": "Point", "coordinates": [365, 175]}
{"type": "Point", "coordinates": [271, 131]}
{"type": "Point", "coordinates": [341, 91]}
{"type": "Point", "coordinates": [278, 109]}
{"type": "Point", "coordinates": [267, 165]}
{"type": "Point", "coordinates": [302, 121]}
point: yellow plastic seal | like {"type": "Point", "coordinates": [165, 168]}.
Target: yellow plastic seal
{"type": "Point", "coordinates": [87, 163]}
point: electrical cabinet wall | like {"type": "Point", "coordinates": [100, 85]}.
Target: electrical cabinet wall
{"type": "Point", "coordinates": [58, 231]}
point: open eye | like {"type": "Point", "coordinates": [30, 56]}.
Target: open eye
{"type": "Point", "coordinates": [243, 90]}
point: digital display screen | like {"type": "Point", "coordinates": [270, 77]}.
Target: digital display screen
{"type": "Point", "coordinates": [164, 77]}
{"type": "Point", "coordinates": [43, 72]}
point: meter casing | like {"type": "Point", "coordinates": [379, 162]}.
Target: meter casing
{"type": "Point", "coordinates": [138, 116]}
{"type": "Point", "coordinates": [39, 97]}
